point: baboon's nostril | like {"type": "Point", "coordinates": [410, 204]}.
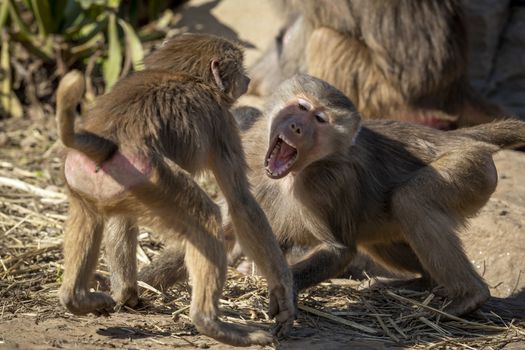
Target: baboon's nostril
{"type": "Point", "coordinates": [295, 128]}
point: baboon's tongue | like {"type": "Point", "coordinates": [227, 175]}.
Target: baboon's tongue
{"type": "Point", "coordinates": [282, 157]}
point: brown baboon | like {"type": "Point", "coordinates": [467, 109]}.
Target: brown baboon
{"type": "Point", "coordinates": [403, 59]}
{"type": "Point", "coordinates": [132, 164]}
{"type": "Point", "coordinates": [400, 192]}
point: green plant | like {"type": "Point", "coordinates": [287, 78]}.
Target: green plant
{"type": "Point", "coordinates": [85, 33]}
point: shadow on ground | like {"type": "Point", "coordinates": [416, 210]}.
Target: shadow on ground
{"type": "Point", "coordinates": [199, 19]}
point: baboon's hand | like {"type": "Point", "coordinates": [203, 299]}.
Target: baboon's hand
{"type": "Point", "coordinates": [283, 308]}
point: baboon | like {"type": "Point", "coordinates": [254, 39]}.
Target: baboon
{"type": "Point", "coordinates": [132, 162]}
{"type": "Point", "coordinates": [403, 59]}
{"type": "Point", "coordinates": [398, 191]}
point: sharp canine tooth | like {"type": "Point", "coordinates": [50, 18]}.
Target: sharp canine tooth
{"type": "Point", "coordinates": [288, 141]}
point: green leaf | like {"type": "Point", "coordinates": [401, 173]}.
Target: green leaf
{"type": "Point", "coordinates": [149, 35]}
{"type": "Point", "coordinates": [58, 11]}
{"type": "Point", "coordinates": [42, 14]}
{"type": "Point", "coordinates": [113, 64]}
{"type": "Point", "coordinates": [8, 100]}
{"type": "Point", "coordinates": [4, 11]}
{"type": "Point", "coordinates": [74, 25]}
{"type": "Point", "coordinates": [134, 45]}
{"type": "Point", "coordinates": [43, 47]}
{"type": "Point", "coordinates": [42, 50]}
{"type": "Point", "coordinates": [114, 3]}
{"type": "Point", "coordinates": [73, 15]}
{"type": "Point", "coordinates": [86, 4]}
{"type": "Point", "coordinates": [86, 49]}
{"type": "Point", "coordinates": [156, 30]}
{"type": "Point", "coordinates": [15, 16]}
{"type": "Point", "coordinates": [165, 20]}
{"type": "Point", "coordinates": [155, 7]}
{"type": "Point", "coordinates": [89, 30]}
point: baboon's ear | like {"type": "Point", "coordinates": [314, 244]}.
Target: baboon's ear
{"type": "Point", "coordinates": [216, 74]}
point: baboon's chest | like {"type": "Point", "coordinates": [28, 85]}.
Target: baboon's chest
{"type": "Point", "coordinates": [114, 177]}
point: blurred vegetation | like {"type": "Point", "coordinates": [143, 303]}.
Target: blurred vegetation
{"type": "Point", "coordinates": [41, 40]}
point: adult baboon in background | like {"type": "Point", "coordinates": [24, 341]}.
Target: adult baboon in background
{"type": "Point", "coordinates": [401, 59]}
{"type": "Point", "coordinates": [132, 163]}
{"type": "Point", "coordinates": [398, 191]}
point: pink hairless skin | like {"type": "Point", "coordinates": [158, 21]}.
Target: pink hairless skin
{"type": "Point", "coordinates": [114, 177]}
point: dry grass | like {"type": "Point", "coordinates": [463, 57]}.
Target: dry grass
{"type": "Point", "coordinates": [31, 219]}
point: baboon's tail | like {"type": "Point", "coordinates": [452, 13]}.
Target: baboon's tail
{"type": "Point", "coordinates": [69, 93]}
{"type": "Point", "coordinates": [508, 133]}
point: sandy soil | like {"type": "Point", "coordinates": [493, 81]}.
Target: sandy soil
{"type": "Point", "coordinates": [494, 242]}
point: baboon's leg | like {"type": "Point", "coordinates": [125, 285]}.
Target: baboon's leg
{"type": "Point", "coordinates": [320, 264]}
{"type": "Point", "coordinates": [253, 231]}
{"type": "Point", "coordinates": [207, 275]}
{"type": "Point", "coordinates": [174, 203]}
{"type": "Point", "coordinates": [399, 258]}
{"type": "Point", "coordinates": [121, 249]}
{"type": "Point", "coordinates": [82, 237]}
{"type": "Point", "coordinates": [455, 185]}
{"type": "Point", "coordinates": [166, 269]}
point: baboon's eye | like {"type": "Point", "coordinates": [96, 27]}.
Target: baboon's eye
{"type": "Point", "coordinates": [321, 118]}
{"type": "Point", "coordinates": [303, 105]}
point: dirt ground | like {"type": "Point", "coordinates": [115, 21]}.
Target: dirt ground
{"type": "Point", "coordinates": [339, 314]}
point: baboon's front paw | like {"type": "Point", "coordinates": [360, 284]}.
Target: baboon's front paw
{"type": "Point", "coordinates": [91, 302]}
{"type": "Point", "coordinates": [236, 335]}
{"type": "Point", "coordinates": [283, 308]}
{"type": "Point", "coordinates": [260, 337]}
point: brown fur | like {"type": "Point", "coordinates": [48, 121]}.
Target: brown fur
{"type": "Point", "coordinates": [400, 193]}
{"type": "Point", "coordinates": [68, 97]}
{"type": "Point", "coordinates": [402, 60]}
{"type": "Point", "coordinates": [168, 125]}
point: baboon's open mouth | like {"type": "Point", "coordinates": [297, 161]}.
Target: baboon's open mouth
{"type": "Point", "coordinates": [281, 155]}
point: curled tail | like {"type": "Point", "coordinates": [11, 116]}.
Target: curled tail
{"type": "Point", "coordinates": [69, 93]}
{"type": "Point", "coordinates": [508, 133]}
